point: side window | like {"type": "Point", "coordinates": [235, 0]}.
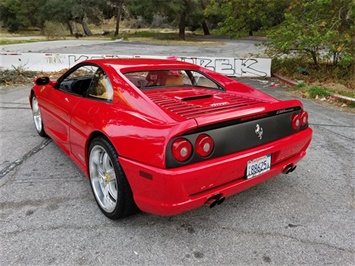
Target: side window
{"type": "Point", "coordinates": [203, 81]}
{"type": "Point", "coordinates": [79, 80]}
{"type": "Point", "coordinates": [100, 86]}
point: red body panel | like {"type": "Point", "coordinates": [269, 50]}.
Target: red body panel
{"type": "Point", "coordinates": [139, 125]}
{"type": "Point", "coordinates": [169, 192]}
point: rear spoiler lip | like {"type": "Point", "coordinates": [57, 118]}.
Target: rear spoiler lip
{"type": "Point", "coordinates": [262, 108]}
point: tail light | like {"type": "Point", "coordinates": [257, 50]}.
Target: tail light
{"type": "Point", "coordinates": [296, 122]}
{"type": "Point", "coordinates": [181, 149]}
{"type": "Point", "coordinates": [204, 145]}
{"type": "Point", "coordinates": [304, 118]}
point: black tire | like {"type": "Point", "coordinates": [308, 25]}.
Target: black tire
{"type": "Point", "coordinates": [37, 117]}
{"type": "Point", "coordinates": [108, 182]}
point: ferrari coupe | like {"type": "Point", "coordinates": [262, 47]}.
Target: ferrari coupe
{"type": "Point", "coordinates": [165, 136]}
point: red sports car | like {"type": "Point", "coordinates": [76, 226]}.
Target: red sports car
{"type": "Point", "coordinates": [164, 136]}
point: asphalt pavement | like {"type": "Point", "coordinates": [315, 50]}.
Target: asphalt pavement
{"type": "Point", "coordinates": [221, 48]}
{"type": "Point", "coordinates": [48, 215]}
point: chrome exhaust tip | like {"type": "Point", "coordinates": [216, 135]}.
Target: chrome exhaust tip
{"type": "Point", "coordinates": [289, 169]}
{"type": "Point", "coordinates": [211, 202]}
{"type": "Point", "coordinates": [215, 200]}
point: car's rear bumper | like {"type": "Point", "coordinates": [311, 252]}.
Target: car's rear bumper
{"type": "Point", "coordinates": [172, 191]}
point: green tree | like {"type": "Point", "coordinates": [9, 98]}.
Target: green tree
{"type": "Point", "coordinates": [17, 14]}
{"type": "Point", "coordinates": [320, 29]}
{"type": "Point", "coordinates": [180, 12]}
{"type": "Point", "coordinates": [240, 15]}
{"type": "Point", "coordinates": [76, 11]}
{"type": "Point", "coordinates": [118, 7]}
{"type": "Point", "coordinates": [33, 13]}
{"type": "Point", "coordinates": [8, 18]}
{"type": "Point", "coordinates": [197, 18]}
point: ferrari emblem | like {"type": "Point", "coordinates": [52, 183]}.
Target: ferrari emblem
{"type": "Point", "coordinates": [107, 178]}
{"type": "Point", "coordinates": [259, 131]}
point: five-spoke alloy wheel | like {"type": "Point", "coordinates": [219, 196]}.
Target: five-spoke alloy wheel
{"type": "Point", "coordinates": [108, 181]}
{"type": "Point", "coordinates": [37, 117]}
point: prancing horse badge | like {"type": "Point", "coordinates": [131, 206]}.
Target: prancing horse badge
{"type": "Point", "coordinates": [259, 131]}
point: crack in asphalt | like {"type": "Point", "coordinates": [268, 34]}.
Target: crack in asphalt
{"type": "Point", "coordinates": [329, 125]}
{"type": "Point", "coordinates": [304, 241]}
{"type": "Point", "coordinates": [16, 163]}
{"type": "Point", "coordinates": [346, 178]}
{"type": "Point", "coordinates": [15, 103]}
{"type": "Point", "coordinates": [40, 202]}
{"type": "Point", "coordinates": [110, 225]}
{"type": "Point", "coordinates": [334, 126]}
{"type": "Point", "coordinates": [14, 108]}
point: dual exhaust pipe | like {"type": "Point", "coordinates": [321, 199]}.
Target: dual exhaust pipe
{"type": "Point", "coordinates": [215, 200]}
{"type": "Point", "coordinates": [289, 169]}
{"type": "Point", "coordinates": [219, 199]}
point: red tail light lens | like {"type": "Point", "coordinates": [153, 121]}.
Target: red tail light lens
{"type": "Point", "coordinates": [204, 145]}
{"type": "Point", "coordinates": [181, 149]}
{"type": "Point", "coordinates": [296, 122]}
{"type": "Point", "coordinates": [304, 118]}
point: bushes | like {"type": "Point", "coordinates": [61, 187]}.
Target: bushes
{"type": "Point", "coordinates": [16, 76]}
{"type": "Point", "coordinates": [320, 81]}
{"type": "Point", "coordinates": [299, 68]}
{"type": "Point", "coordinates": [54, 31]}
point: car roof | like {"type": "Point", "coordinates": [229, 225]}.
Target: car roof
{"type": "Point", "coordinates": [142, 63]}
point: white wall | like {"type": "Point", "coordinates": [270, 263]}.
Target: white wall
{"type": "Point", "coordinates": [239, 67]}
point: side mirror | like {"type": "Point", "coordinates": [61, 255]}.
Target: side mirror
{"type": "Point", "coordinates": [42, 81]}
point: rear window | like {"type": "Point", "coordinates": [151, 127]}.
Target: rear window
{"type": "Point", "coordinates": [170, 78]}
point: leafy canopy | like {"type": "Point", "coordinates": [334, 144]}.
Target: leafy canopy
{"type": "Point", "coordinates": [320, 29]}
{"type": "Point", "coordinates": [237, 16]}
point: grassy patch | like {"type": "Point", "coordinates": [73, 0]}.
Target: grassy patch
{"type": "Point", "coordinates": [324, 73]}
{"type": "Point", "coordinates": [9, 41]}
{"type": "Point", "coordinates": [320, 81]}
{"type": "Point", "coordinates": [320, 92]}
{"type": "Point", "coordinates": [347, 94]}
{"type": "Point", "coordinates": [317, 91]}
{"type": "Point", "coordinates": [311, 91]}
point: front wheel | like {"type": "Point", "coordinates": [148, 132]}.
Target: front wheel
{"type": "Point", "coordinates": [37, 117]}
{"type": "Point", "coordinates": [108, 181]}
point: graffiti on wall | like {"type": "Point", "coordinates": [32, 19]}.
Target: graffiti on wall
{"type": "Point", "coordinates": [230, 66]}
{"type": "Point", "coordinates": [239, 67]}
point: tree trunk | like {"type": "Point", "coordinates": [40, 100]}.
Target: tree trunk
{"type": "Point", "coordinates": [86, 29]}
{"type": "Point", "coordinates": [352, 55]}
{"type": "Point", "coordinates": [314, 57]}
{"type": "Point", "coordinates": [206, 31]}
{"type": "Point", "coordinates": [41, 26]}
{"type": "Point", "coordinates": [352, 71]}
{"type": "Point", "coordinates": [69, 23]}
{"type": "Point", "coordinates": [182, 24]}
{"type": "Point", "coordinates": [335, 58]}
{"type": "Point", "coordinates": [119, 11]}
{"type": "Point", "coordinates": [250, 30]}
{"type": "Point", "coordinates": [181, 32]}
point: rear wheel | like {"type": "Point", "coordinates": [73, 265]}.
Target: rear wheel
{"type": "Point", "coordinates": [108, 181]}
{"type": "Point", "coordinates": [37, 117]}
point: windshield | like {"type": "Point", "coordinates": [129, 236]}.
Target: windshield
{"type": "Point", "coordinates": [170, 78]}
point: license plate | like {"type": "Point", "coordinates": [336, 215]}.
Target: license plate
{"type": "Point", "coordinates": [258, 166]}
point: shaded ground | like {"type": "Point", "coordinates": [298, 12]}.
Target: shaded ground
{"type": "Point", "coordinates": [49, 216]}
